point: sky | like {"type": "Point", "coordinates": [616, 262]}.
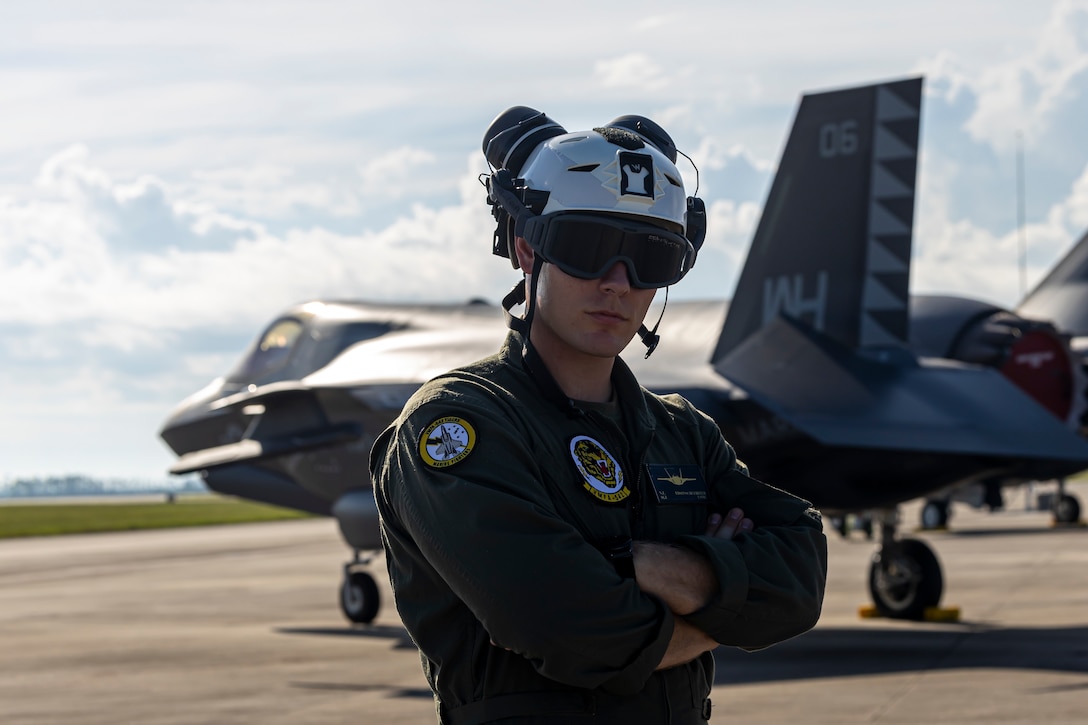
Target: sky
{"type": "Point", "coordinates": [173, 175]}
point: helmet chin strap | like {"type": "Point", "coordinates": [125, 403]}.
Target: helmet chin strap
{"type": "Point", "coordinates": [650, 338]}
{"type": "Point", "coordinates": [517, 296]}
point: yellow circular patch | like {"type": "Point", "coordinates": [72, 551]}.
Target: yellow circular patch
{"type": "Point", "coordinates": [602, 475]}
{"type": "Point", "coordinates": [446, 441]}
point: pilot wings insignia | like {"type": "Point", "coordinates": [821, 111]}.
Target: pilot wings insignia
{"type": "Point", "coordinates": [677, 483]}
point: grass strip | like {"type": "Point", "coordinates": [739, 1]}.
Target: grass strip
{"type": "Point", "coordinates": [51, 519]}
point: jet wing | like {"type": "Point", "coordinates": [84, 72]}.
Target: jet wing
{"type": "Point", "coordinates": [286, 418]}
{"type": "Point", "coordinates": [888, 399]}
{"type": "Point", "coordinates": [253, 450]}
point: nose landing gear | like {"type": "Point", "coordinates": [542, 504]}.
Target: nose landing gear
{"type": "Point", "coordinates": [359, 598]}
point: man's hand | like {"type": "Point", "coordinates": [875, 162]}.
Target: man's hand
{"type": "Point", "coordinates": [685, 581]}
{"type": "Point", "coordinates": [728, 526]}
{"type": "Point", "coordinates": [687, 643]}
{"type": "Point", "coordinates": [682, 577]}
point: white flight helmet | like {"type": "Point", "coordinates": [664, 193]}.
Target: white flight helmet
{"type": "Point", "coordinates": [545, 182]}
{"type": "Point", "coordinates": [611, 170]}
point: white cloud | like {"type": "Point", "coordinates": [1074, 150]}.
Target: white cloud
{"type": "Point", "coordinates": [633, 70]}
{"type": "Point", "coordinates": [267, 191]}
{"type": "Point", "coordinates": [655, 22]}
{"type": "Point", "coordinates": [979, 124]}
{"type": "Point", "coordinates": [1026, 95]}
{"type": "Point", "coordinates": [958, 257]}
{"type": "Point", "coordinates": [79, 256]}
{"type": "Point", "coordinates": [108, 327]}
{"type": "Point", "coordinates": [396, 174]}
{"type": "Point", "coordinates": [730, 225]}
{"type": "Point", "coordinates": [717, 155]}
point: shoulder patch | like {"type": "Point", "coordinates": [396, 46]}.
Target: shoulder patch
{"type": "Point", "coordinates": [601, 472]}
{"type": "Point", "coordinates": [446, 441]}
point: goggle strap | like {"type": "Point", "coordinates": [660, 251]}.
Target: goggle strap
{"type": "Point", "coordinates": [501, 191]}
{"type": "Point", "coordinates": [519, 223]}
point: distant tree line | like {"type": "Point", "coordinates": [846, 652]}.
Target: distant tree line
{"type": "Point", "coordinates": [78, 485]}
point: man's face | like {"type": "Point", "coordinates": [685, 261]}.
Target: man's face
{"type": "Point", "coordinates": [595, 317]}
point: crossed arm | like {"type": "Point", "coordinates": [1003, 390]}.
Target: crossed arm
{"type": "Point", "coordinates": [684, 580]}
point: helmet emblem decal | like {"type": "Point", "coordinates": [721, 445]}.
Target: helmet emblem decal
{"type": "Point", "coordinates": [602, 475]}
{"type": "Point", "coordinates": [446, 441]}
{"type": "Point", "coordinates": [636, 175]}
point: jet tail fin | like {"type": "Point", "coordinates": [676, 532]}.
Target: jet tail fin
{"type": "Point", "coordinates": [833, 244]}
{"type": "Point", "coordinates": [1062, 296]}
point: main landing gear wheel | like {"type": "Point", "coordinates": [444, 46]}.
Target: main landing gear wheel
{"type": "Point", "coordinates": [359, 598]}
{"type": "Point", "coordinates": [905, 579]}
{"type": "Point", "coordinates": [1066, 509]}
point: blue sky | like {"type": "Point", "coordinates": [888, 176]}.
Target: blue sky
{"type": "Point", "coordinates": [173, 175]}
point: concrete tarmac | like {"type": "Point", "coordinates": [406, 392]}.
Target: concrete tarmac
{"type": "Point", "coordinates": [240, 624]}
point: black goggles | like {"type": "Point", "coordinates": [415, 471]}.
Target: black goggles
{"type": "Point", "coordinates": [587, 245]}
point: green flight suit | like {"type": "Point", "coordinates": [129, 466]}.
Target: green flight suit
{"type": "Point", "coordinates": [500, 499]}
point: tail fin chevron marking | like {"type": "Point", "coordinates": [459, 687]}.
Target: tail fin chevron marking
{"type": "Point", "coordinates": [887, 275]}
{"type": "Point", "coordinates": [833, 244]}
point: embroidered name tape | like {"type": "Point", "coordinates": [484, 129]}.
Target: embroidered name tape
{"type": "Point", "coordinates": [675, 483]}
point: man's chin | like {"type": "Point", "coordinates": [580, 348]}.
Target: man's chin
{"type": "Point", "coordinates": [607, 346]}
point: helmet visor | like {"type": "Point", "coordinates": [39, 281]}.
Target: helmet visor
{"type": "Point", "coordinates": [588, 245]}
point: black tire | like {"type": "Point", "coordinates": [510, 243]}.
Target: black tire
{"type": "Point", "coordinates": [935, 514]}
{"type": "Point", "coordinates": [906, 580]}
{"type": "Point", "coordinates": [359, 599]}
{"type": "Point", "coordinates": [1066, 509]}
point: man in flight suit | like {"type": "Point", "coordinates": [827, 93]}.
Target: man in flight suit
{"type": "Point", "coordinates": [565, 546]}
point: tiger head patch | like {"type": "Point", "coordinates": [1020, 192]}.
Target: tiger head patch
{"type": "Point", "coordinates": [602, 475]}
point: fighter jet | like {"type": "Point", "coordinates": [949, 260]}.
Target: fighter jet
{"type": "Point", "coordinates": [1062, 297]}
{"type": "Point", "coordinates": [809, 371]}
{"type": "Point", "coordinates": [1049, 359]}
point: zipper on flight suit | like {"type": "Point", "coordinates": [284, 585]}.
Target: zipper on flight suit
{"type": "Point", "coordinates": [637, 527]}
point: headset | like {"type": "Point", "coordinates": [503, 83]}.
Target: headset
{"type": "Point", "coordinates": [509, 142]}
{"type": "Point", "coordinates": [516, 133]}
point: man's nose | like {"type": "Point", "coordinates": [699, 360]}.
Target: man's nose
{"type": "Point", "coordinates": [616, 277]}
